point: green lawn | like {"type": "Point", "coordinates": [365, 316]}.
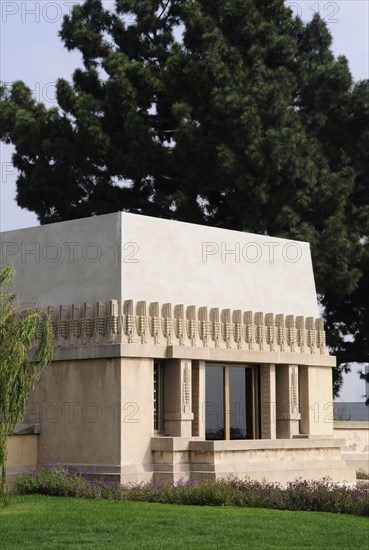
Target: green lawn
{"type": "Point", "coordinates": [39, 522]}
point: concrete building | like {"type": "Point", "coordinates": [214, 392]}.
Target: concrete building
{"type": "Point", "coordinates": [180, 351]}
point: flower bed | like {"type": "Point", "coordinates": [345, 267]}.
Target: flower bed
{"type": "Point", "coordinates": [319, 496]}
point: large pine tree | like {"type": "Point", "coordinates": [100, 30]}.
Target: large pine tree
{"type": "Point", "coordinates": [232, 113]}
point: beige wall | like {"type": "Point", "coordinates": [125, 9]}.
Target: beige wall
{"type": "Point", "coordinates": [22, 455]}
{"type": "Point", "coordinates": [67, 262]}
{"type": "Point", "coordinates": [137, 427]}
{"type": "Point", "coordinates": [77, 405]}
{"type": "Point", "coordinates": [275, 460]}
{"type": "Point", "coordinates": [354, 437]}
{"type": "Point", "coordinates": [354, 434]}
{"type": "Point", "coordinates": [191, 264]}
{"type": "Point", "coordinates": [22, 450]}
{"type": "Point", "coordinates": [95, 413]}
{"type": "Point", "coordinates": [316, 400]}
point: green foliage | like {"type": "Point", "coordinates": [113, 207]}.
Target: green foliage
{"type": "Point", "coordinates": [322, 496]}
{"type": "Point", "coordinates": [19, 330]}
{"type": "Point", "coordinates": [229, 113]}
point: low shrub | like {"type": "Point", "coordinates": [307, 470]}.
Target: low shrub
{"type": "Point", "coordinates": [362, 474]}
{"type": "Point", "coordinates": [318, 496]}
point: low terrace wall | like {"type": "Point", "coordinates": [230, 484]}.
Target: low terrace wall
{"type": "Point", "coordinates": [279, 460]}
{"type": "Point", "coordinates": [355, 442]}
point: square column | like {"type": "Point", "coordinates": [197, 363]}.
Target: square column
{"type": "Point", "coordinates": [316, 400]}
{"type": "Point", "coordinates": [178, 414]}
{"type": "Point", "coordinates": [198, 398]}
{"type": "Point", "coordinates": [288, 410]}
{"type": "Point", "coordinates": [268, 402]}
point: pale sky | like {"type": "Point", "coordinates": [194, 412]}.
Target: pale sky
{"type": "Point", "coordinates": [30, 50]}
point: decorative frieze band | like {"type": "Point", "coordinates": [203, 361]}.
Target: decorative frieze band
{"type": "Point", "coordinates": [150, 323]}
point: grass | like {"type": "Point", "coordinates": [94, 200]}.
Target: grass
{"type": "Point", "coordinates": [40, 522]}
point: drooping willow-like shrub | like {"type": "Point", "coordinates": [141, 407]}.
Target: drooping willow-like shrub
{"type": "Point", "coordinates": [20, 369]}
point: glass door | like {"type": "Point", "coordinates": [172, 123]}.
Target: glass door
{"type": "Point", "coordinates": [231, 403]}
{"type": "Point", "coordinates": [214, 402]}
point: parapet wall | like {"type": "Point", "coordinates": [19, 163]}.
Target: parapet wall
{"type": "Point", "coordinates": [123, 255]}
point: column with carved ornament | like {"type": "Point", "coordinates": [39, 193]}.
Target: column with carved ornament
{"type": "Point", "coordinates": [178, 414]}
{"type": "Point", "coordinates": [288, 407]}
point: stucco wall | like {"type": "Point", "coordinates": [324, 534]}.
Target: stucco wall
{"type": "Point", "coordinates": [96, 413]}
{"type": "Point", "coordinates": [67, 262]}
{"type": "Point", "coordinates": [137, 412]}
{"type": "Point", "coordinates": [77, 404]}
{"type": "Point", "coordinates": [22, 450]}
{"type": "Point", "coordinates": [127, 256]}
{"type": "Point", "coordinates": [22, 454]}
{"type": "Point", "coordinates": [316, 400]}
{"type": "Point", "coordinates": [214, 267]}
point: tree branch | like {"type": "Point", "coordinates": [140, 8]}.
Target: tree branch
{"type": "Point", "coordinates": [164, 10]}
{"type": "Point", "coordinates": [352, 357]}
